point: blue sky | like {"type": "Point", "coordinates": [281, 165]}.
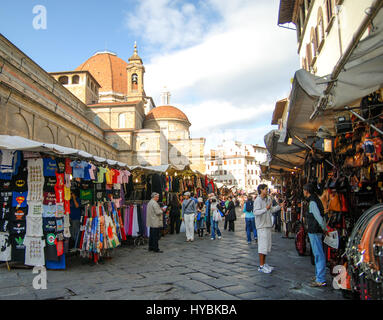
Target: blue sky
{"type": "Point", "coordinates": [225, 62]}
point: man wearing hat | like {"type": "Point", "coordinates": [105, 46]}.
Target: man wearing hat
{"type": "Point", "coordinates": [189, 211]}
{"type": "Point", "coordinates": [154, 220]}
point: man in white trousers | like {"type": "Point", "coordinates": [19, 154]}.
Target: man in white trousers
{"type": "Point", "coordinates": [189, 212]}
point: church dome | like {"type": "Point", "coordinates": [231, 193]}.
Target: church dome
{"type": "Point", "coordinates": [109, 70]}
{"type": "Point", "coordinates": [166, 113]}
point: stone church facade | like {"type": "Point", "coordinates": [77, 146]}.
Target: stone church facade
{"type": "Point", "coordinates": [100, 107]}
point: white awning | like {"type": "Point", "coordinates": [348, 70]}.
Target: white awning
{"type": "Point", "coordinates": [363, 72]}
{"type": "Point", "coordinates": [20, 143]}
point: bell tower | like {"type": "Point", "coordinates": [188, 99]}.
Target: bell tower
{"type": "Point", "coordinates": [135, 73]}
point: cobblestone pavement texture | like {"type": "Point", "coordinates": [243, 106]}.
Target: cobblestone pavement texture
{"type": "Point", "coordinates": [224, 269]}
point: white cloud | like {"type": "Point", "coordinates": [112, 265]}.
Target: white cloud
{"type": "Point", "coordinates": [218, 73]}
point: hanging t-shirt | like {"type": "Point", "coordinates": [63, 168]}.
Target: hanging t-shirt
{"type": "Point", "coordinates": [100, 174]}
{"type": "Point", "coordinates": [17, 227]}
{"type": "Point", "coordinates": [18, 214]}
{"type": "Point", "coordinates": [86, 185]}
{"type": "Point", "coordinates": [35, 171]}
{"type": "Point", "coordinates": [6, 163]}
{"type": "Point", "coordinates": [78, 168]}
{"type": "Point", "coordinates": [5, 205]}
{"type": "Point", "coordinates": [19, 199]}
{"type": "Point", "coordinates": [60, 211]}
{"type": "Point", "coordinates": [125, 174]}
{"type": "Point", "coordinates": [109, 176]}
{"type": "Point", "coordinates": [5, 247]}
{"type": "Point", "coordinates": [50, 167]}
{"type": "Point", "coordinates": [116, 174]}
{"type": "Point", "coordinates": [50, 247]}
{"type": "Point", "coordinates": [35, 208]}
{"type": "Point", "coordinates": [34, 226]}
{"type": "Point", "coordinates": [5, 211]}
{"type": "Point", "coordinates": [92, 171]}
{"type": "Point", "coordinates": [59, 225]}
{"type": "Point", "coordinates": [18, 248]}
{"type": "Point", "coordinates": [68, 168]}
{"type": "Point", "coordinates": [49, 184]}
{"type": "Point", "coordinates": [49, 198]}
{"type": "Point", "coordinates": [35, 192]}
{"type": "Point", "coordinates": [86, 172]}
{"type": "Point", "coordinates": [49, 211]}
{"type": "Point", "coordinates": [5, 185]}
{"type": "Point", "coordinates": [59, 191]}
{"type": "Point", "coordinates": [67, 194]}
{"type": "Point", "coordinates": [20, 182]}
{"type": "Point", "coordinates": [4, 225]}
{"type": "Point", "coordinates": [34, 251]}
{"type": "Point", "coordinates": [60, 179]}
{"type": "Point", "coordinates": [67, 209]}
{"type": "Point", "coordinates": [86, 194]}
{"type": "Point", "coordinates": [49, 225]}
{"type": "Point", "coordinates": [60, 165]}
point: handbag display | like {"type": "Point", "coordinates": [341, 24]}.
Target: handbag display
{"type": "Point", "coordinates": [334, 203]}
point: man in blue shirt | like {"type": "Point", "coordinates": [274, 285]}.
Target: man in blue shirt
{"type": "Point", "coordinates": [316, 226]}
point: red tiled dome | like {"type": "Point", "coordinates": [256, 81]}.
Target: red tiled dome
{"type": "Point", "coordinates": [109, 70]}
{"type": "Point", "coordinates": [166, 112]}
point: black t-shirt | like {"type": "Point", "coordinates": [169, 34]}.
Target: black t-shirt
{"type": "Point", "coordinates": [17, 227]}
{"type": "Point", "coordinates": [49, 225]}
{"type": "Point", "coordinates": [20, 182]}
{"type": "Point", "coordinates": [18, 214]}
{"type": "Point", "coordinates": [49, 184]}
{"type": "Point", "coordinates": [4, 225]}
{"type": "Point", "coordinates": [85, 185]}
{"type": "Point", "coordinates": [5, 205]}
{"type": "Point", "coordinates": [50, 247]}
{"type": "Point", "coordinates": [18, 248]}
{"type": "Point", "coordinates": [5, 185]}
{"type": "Point", "coordinates": [116, 194]}
{"type": "Point", "coordinates": [60, 165]}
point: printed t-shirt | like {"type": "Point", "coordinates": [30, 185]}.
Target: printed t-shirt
{"type": "Point", "coordinates": [5, 247]}
{"type": "Point", "coordinates": [5, 204]}
{"type": "Point", "coordinates": [60, 179]}
{"type": "Point", "coordinates": [49, 198]}
{"type": "Point", "coordinates": [78, 168]}
{"type": "Point", "coordinates": [49, 184]}
{"type": "Point", "coordinates": [125, 176]}
{"type": "Point", "coordinates": [4, 225]}
{"type": "Point", "coordinates": [59, 191]}
{"type": "Point", "coordinates": [35, 192]}
{"type": "Point", "coordinates": [86, 172]}
{"type": "Point", "coordinates": [5, 185]}
{"type": "Point", "coordinates": [67, 208]}
{"type": "Point", "coordinates": [50, 167]}
{"type": "Point", "coordinates": [68, 168]}
{"type": "Point", "coordinates": [35, 208]}
{"type": "Point", "coordinates": [60, 165]}
{"type": "Point", "coordinates": [17, 227]}
{"type": "Point", "coordinates": [18, 214]}
{"type": "Point", "coordinates": [60, 211]}
{"type": "Point", "coordinates": [34, 226]}
{"type": "Point", "coordinates": [67, 194]}
{"type": "Point", "coordinates": [86, 194]}
{"type": "Point", "coordinates": [109, 176]}
{"type": "Point", "coordinates": [35, 171]}
{"type": "Point", "coordinates": [116, 174]}
{"type": "Point", "coordinates": [92, 171]}
{"type": "Point", "coordinates": [49, 211]}
{"type": "Point", "coordinates": [18, 248]}
{"type": "Point", "coordinates": [49, 225]}
{"type": "Point", "coordinates": [59, 225]}
{"type": "Point", "coordinates": [100, 174]}
{"type": "Point", "coordinates": [19, 199]}
{"type": "Point", "coordinates": [6, 164]}
{"type": "Point", "coordinates": [34, 251]}
{"type": "Point", "coordinates": [20, 182]}
{"type": "Point", "coordinates": [50, 247]}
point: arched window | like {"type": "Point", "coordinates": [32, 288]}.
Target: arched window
{"type": "Point", "coordinates": [121, 120]}
{"type": "Point", "coordinates": [75, 79]}
{"type": "Point", "coordinates": [63, 80]}
{"type": "Point", "coordinates": [134, 81]}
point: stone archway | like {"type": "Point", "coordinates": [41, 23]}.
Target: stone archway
{"type": "Point", "coordinates": [18, 125]}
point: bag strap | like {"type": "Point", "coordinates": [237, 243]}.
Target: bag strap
{"type": "Point", "coordinates": [190, 200]}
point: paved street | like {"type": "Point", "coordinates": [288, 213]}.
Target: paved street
{"type": "Point", "coordinates": [223, 269]}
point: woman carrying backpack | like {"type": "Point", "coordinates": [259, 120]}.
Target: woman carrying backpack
{"type": "Point", "coordinates": [250, 219]}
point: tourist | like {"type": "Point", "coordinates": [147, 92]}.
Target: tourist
{"type": "Point", "coordinates": [316, 226]}
{"type": "Point", "coordinates": [250, 219]}
{"type": "Point", "coordinates": [230, 214]}
{"type": "Point", "coordinates": [201, 210]}
{"type": "Point", "coordinates": [188, 214]}
{"type": "Point", "coordinates": [175, 215]}
{"type": "Point", "coordinates": [208, 216]}
{"type": "Point", "coordinates": [216, 218]}
{"type": "Point", "coordinates": [263, 210]}
{"type": "Point", "coordinates": [154, 221]}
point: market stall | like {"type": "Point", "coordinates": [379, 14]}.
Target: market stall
{"type": "Point", "coordinates": [40, 185]}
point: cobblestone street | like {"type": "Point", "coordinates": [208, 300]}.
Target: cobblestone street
{"type": "Point", "coordinates": [223, 269]}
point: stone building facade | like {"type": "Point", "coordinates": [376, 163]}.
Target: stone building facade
{"type": "Point", "coordinates": [100, 107]}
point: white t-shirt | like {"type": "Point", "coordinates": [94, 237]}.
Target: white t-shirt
{"type": "Point", "coordinates": [34, 226]}
{"type": "Point", "coordinates": [34, 251]}
{"type": "Point", "coordinates": [6, 160]}
{"type": "Point", "coordinates": [5, 247]}
{"type": "Point", "coordinates": [35, 208]}
{"type": "Point", "coordinates": [35, 171]}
